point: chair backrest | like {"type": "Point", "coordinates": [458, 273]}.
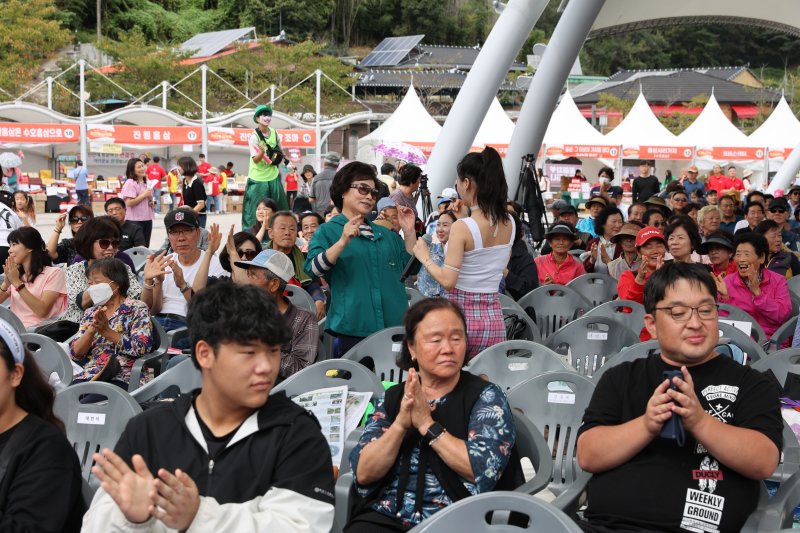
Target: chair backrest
{"type": "Point", "coordinates": [553, 306]}
{"type": "Point", "coordinates": [781, 335]}
{"type": "Point", "coordinates": [731, 312]}
{"type": "Point", "coordinates": [781, 363]}
{"type": "Point", "coordinates": [482, 514]}
{"type": "Point", "coordinates": [413, 296]}
{"type": "Point", "coordinates": [332, 373]}
{"type": "Point", "coordinates": [530, 444]}
{"type": "Point", "coordinates": [794, 285]}
{"type": "Point", "coordinates": [507, 301]}
{"type": "Point", "coordinates": [795, 303]}
{"type": "Point", "coordinates": [138, 255]}
{"type": "Point", "coordinates": [184, 377]}
{"type": "Point", "coordinates": [588, 342]}
{"type": "Point", "coordinates": [50, 356]}
{"type": "Point", "coordinates": [626, 312]}
{"type": "Point", "coordinates": [750, 347]}
{"type": "Point", "coordinates": [528, 329]}
{"type": "Point", "coordinates": [637, 351]}
{"type": "Point", "coordinates": [9, 316]}
{"type": "Point", "coordinates": [300, 298]}
{"type": "Point", "coordinates": [595, 287]}
{"type": "Point", "coordinates": [384, 348]}
{"type": "Point", "coordinates": [94, 426]}
{"type": "Point", "coordinates": [509, 363]}
{"type": "Point", "coordinates": [156, 359]}
{"type": "Point", "coordinates": [555, 403]}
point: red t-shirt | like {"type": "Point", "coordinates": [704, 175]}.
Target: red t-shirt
{"type": "Point", "coordinates": [215, 180]}
{"type": "Point", "coordinates": [155, 172]}
{"type": "Point", "coordinates": [291, 181]}
{"type": "Point", "coordinates": [203, 168]}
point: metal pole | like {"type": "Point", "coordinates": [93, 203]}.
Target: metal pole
{"type": "Point", "coordinates": [49, 92]}
{"type": "Point", "coordinates": [272, 95]}
{"type": "Point", "coordinates": [82, 98]}
{"type": "Point", "coordinates": [204, 132]}
{"type": "Point", "coordinates": [785, 176]}
{"type": "Point", "coordinates": [317, 125]}
{"type": "Point", "coordinates": [546, 85]}
{"type": "Point", "coordinates": [164, 89]}
{"type": "Point", "coordinates": [484, 79]}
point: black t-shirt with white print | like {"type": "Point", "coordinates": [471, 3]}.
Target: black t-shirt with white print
{"type": "Point", "coordinates": [670, 488]}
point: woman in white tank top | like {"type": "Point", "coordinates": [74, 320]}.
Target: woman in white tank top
{"type": "Point", "coordinates": [478, 249]}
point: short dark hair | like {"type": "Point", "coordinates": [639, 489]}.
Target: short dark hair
{"type": "Point", "coordinates": [756, 240]}
{"type": "Point", "coordinates": [238, 239]}
{"type": "Point", "coordinates": [649, 213]}
{"type": "Point", "coordinates": [751, 194]}
{"type": "Point", "coordinates": [156, 159]}
{"type": "Point", "coordinates": [712, 191]}
{"type": "Point", "coordinates": [765, 226]}
{"type": "Point", "coordinates": [409, 174]}
{"type": "Point", "coordinates": [188, 165]}
{"type": "Point", "coordinates": [669, 274]}
{"type": "Point", "coordinates": [306, 214]}
{"type": "Point", "coordinates": [602, 218]}
{"type": "Point", "coordinates": [345, 176]}
{"type": "Point", "coordinates": [754, 204]}
{"type": "Point", "coordinates": [268, 202]}
{"type": "Point", "coordinates": [228, 312]}
{"type": "Point", "coordinates": [683, 221]}
{"type": "Point", "coordinates": [115, 200]}
{"type": "Point", "coordinates": [329, 210]}
{"type": "Point", "coordinates": [608, 171]}
{"type": "Point", "coordinates": [727, 197]}
{"type": "Point", "coordinates": [281, 214]}
{"type": "Point", "coordinates": [113, 269]}
{"type": "Point", "coordinates": [639, 204]}
{"type": "Point", "coordinates": [387, 167]}
{"type": "Point", "coordinates": [103, 227]}
{"type": "Point", "coordinates": [416, 314]}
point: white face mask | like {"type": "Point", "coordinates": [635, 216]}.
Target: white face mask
{"type": "Point", "coordinates": [100, 293]}
{"type": "Point", "coordinates": [264, 120]}
{"type": "Point", "coordinates": [604, 180]}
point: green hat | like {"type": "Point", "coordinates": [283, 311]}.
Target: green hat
{"type": "Point", "coordinates": [260, 110]}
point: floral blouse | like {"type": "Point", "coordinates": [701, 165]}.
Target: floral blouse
{"type": "Point", "coordinates": [491, 436]}
{"type": "Point", "coordinates": [425, 282]}
{"type": "Point", "coordinates": [77, 282]}
{"type": "Point", "coordinates": [132, 322]}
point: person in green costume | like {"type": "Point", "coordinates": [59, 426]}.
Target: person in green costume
{"type": "Point", "coordinates": [263, 177]}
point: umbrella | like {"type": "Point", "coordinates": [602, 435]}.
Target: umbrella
{"type": "Point", "coordinates": [400, 150]}
{"type": "Point", "coordinates": [9, 160]}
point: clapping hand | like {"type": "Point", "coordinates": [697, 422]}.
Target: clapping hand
{"type": "Point", "coordinates": [11, 272]}
{"type": "Point", "coordinates": [722, 289]}
{"type": "Point", "coordinates": [156, 267]}
{"type": "Point", "coordinates": [214, 239]}
{"type": "Point", "coordinates": [100, 320]}
{"type": "Point", "coordinates": [407, 218]}
{"type": "Point", "coordinates": [177, 272]}
{"type": "Point", "coordinates": [420, 410]}
{"type": "Point", "coordinates": [176, 500]}
{"type": "Point", "coordinates": [131, 490]}
{"type": "Point", "coordinates": [230, 246]}
{"type": "Point", "coordinates": [548, 280]}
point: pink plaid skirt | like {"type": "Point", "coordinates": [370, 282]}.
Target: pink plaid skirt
{"type": "Point", "coordinates": [485, 325]}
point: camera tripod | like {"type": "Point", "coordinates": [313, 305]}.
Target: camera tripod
{"type": "Point", "coordinates": [425, 194]}
{"type": "Point", "coordinates": [529, 195]}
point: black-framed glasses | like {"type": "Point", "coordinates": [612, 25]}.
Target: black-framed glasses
{"type": "Point", "coordinates": [105, 243]}
{"type": "Point", "coordinates": [248, 255]}
{"type": "Point", "coordinates": [364, 189]}
{"type": "Point", "coordinates": [75, 220]}
{"type": "Point", "coordinates": [180, 232]}
{"type": "Point", "coordinates": [683, 313]}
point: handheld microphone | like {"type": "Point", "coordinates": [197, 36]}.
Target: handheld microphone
{"type": "Point", "coordinates": [414, 262]}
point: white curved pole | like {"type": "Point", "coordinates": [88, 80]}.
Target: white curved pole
{"type": "Point", "coordinates": [785, 176]}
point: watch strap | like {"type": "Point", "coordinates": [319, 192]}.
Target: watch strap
{"type": "Point", "coordinates": [434, 431]}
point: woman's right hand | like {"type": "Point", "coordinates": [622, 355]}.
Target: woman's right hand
{"type": "Point", "coordinates": [403, 418]}
{"type": "Point", "coordinates": [722, 289]}
{"type": "Point", "coordinates": [230, 246]}
{"type": "Point", "coordinates": [60, 222]}
{"type": "Point", "coordinates": [351, 229]}
{"type": "Point", "coordinates": [156, 267]}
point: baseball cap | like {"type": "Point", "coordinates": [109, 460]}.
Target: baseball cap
{"type": "Point", "coordinates": [558, 205]}
{"type": "Point", "coordinates": [261, 110]}
{"type": "Point", "coordinates": [692, 168]}
{"type": "Point", "coordinates": [656, 200]}
{"type": "Point", "coordinates": [561, 228]}
{"type": "Point", "coordinates": [276, 262]}
{"type": "Point", "coordinates": [448, 193]}
{"type": "Point", "coordinates": [186, 217]}
{"type": "Point", "coordinates": [647, 234]}
{"type": "Point", "coordinates": [779, 203]}
{"type": "Point", "coordinates": [383, 203]}
{"type": "Point", "coordinates": [628, 230]}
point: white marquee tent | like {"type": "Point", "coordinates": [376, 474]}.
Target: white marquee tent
{"type": "Point", "coordinates": [496, 128]}
{"type": "Point", "coordinates": [779, 133]}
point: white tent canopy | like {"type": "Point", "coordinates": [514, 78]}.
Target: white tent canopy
{"type": "Point", "coordinates": [496, 128]}
{"type": "Point", "coordinates": [641, 127]}
{"type": "Point", "coordinates": [712, 127]}
{"type": "Point", "coordinates": [780, 130]}
{"type": "Point", "coordinates": [568, 126]}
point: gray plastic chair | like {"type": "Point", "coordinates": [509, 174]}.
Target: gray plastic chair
{"type": "Point", "coordinates": [9, 316]}
{"type": "Point", "coordinates": [750, 347]}
{"type": "Point", "coordinates": [139, 255]}
{"type": "Point", "coordinates": [332, 373]}
{"type": "Point", "coordinates": [588, 342]}
{"type": "Point", "coordinates": [413, 296]}
{"type": "Point", "coordinates": [781, 363]}
{"type": "Point", "coordinates": [631, 353]}
{"type": "Point", "coordinates": [530, 444]}
{"type": "Point", "coordinates": [626, 312]}
{"type": "Point", "coordinates": [184, 377]}
{"type": "Point", "coordinates": [781, 335]}
{"type": "Point", "coordinates": [94, 426]}
{"type": "Point", "coordinates": [384, 348]}
{"type": "Point", "coordinates": [50, 357]}
{"type": "Point", "coordinates": [731, 312]}
{"type": "Point", "coordinates": [472, 515]}
{"type": "Point", "coordinates": [300, 298]}
{"type": "Point", "coordinates": [509, 363]}
{"type": "Point", "coordinates": [795, 303]}
{"type": "Point", "coordinates": [557, 414]}
{"type": "Point", "coordinates": [794, 285]}
{"type": "Point", "coordinates": [776, 514]}
{"type": "Point", "coordinates": [156, 359]}
{"type": "Point", "coordinates": [508, 301]}
{"type": "Point", "coordinates": [531, 332]}
{"type": "Point", "coordinates": [595, 287]}
{"type": "Point", "coordinates": [553, 306]}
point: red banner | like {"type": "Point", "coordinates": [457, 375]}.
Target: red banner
{"type": "Point", "coordinates": [238, 137]}
{"type": "Point", "coordinates": [730, 153]}
{"type": "Point", "coordinates": [657, 152]}
{"type": "Point", "coordinates": [779, 153]}
{"type": "Point", "coordinates": [149, 135]}
{"type": "Point", "coordinates": [19, 132]}
{"type": "Point", "coordinates": [580, 150]}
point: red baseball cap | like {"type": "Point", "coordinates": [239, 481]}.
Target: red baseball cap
{"type": "Point", "coordinates": [648, 233]}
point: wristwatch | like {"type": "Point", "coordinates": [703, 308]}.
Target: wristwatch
{"type": "Point", "coordinates": [20, 287]}
{"type": "Point", "coordinates": [435, 431]}
{"type": "Point", "coordinates": [186, 288]}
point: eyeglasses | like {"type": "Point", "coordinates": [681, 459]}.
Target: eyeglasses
{"type": "Point", "coordinates": [75, 220]}
{"type": "Point", "coordinates": [249, 255]}
{"type": "Point", "coordinates": [364, 189]}
{"type": "Point", "coordinates": [658, 224]}
{"type": "Point", "coordinates": [105, 243]}
{"type": "Point", "coordinates": [180, 232]}
{"type": "Point", "coordinates": [682, 313]}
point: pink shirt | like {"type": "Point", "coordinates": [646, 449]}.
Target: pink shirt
{"type": "Point", "coordinates": [51, 279]}
{"type": "Point", "coordinates": [562, 274]}
{"type": "Point", "coordinates": [770, 309]}
{"type": "Point", "coordinates": [142, 210]}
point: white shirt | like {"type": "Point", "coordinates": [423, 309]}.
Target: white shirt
{"type": "Point", "coordinates": [173, 301]}
{"type": "Point", "coordinates": [9, 221]}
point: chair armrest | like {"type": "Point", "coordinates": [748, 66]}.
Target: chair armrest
{"type": "Point", "coordinates": [345, 494]}
{"type": "Point", "coordinates": [569, 500]}
{"type": "Point", "coordinates": [155, 360]}
{"type": "Point", "coordinates": [176, 335]}
{"type": "Point", "coordinates": [777, 512]}
{"type": "Point", "coordinates": [544, 470]}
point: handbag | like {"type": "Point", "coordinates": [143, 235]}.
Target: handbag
{"type": "Point", "coordinates": [109, 370]}
{"type": "Point", "coordinates": [274, 154]}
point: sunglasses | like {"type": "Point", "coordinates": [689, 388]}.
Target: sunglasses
{"type": "Point", "coordinates": [364, 189]}
{"type": "Point", "coordinates": [248, 255]}
{"type": "Point", "coordinates": [105, 243]}
{"type": "Point", "coordinates": [777, 210]}
{"type": "Point", "coordinates": [75, 220]}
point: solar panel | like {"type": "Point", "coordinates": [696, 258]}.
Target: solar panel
{"type": "Point", "coordinates": [208, 44]}
{"type": "Point", "coordinates": [391, 51]}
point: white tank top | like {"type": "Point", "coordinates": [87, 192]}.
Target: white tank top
{"type": "Point", "coordinates": [482, 268]}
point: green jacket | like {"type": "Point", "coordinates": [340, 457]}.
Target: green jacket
{"type": "Point", "coordinates": [366, 292]}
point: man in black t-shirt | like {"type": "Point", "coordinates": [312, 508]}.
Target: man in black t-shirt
{"type": "Point", "coordinates": [730, 414]}
{"type": "Point", "coordinates": [646, 185]}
